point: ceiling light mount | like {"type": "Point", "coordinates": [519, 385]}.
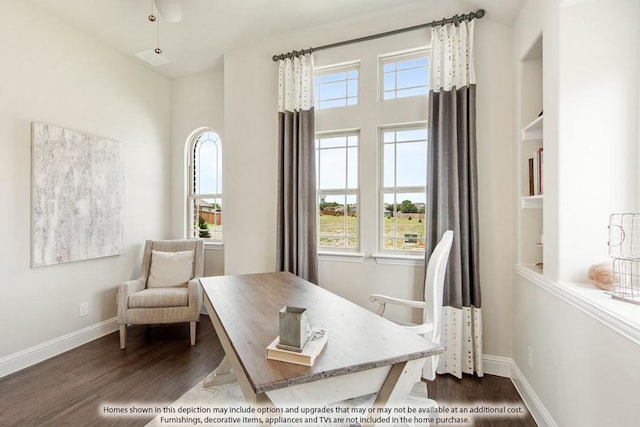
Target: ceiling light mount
{"type": "Point", "coordinates": [157, 49]}
{"type": "Point", "coordinates": [154, 56]}
{"type": "Point", "coordinates": [152, 18]}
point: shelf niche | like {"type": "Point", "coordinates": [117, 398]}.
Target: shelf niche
{"type": "Point", "coordinates": [531, 207]}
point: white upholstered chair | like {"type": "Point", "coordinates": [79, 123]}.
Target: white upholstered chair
{"type": "Point", "coordinates": [431, 326]}
{"type": "Point", "coordinates": [168, 289]}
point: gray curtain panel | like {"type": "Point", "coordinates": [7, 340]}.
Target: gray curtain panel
{"type": "Point", "coordinates": [452, 190]}
{"type": "Point", "coordinates": [296, 234]}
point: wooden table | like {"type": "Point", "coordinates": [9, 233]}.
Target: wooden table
{"type": "Point", "coordinates": [365, 352]}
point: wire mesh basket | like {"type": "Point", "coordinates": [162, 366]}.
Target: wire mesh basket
{"type": "Point", "coordinates": [624, 248]}
{"type": "Point", "coordinates": [624, 236]}
{"type": "Point", "coordinates": [626, 280]}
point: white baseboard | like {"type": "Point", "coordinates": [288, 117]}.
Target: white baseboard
{"type": "Point", "coordinates": [497, 365]}
{"type": "Point", "coordinates": [36, 354]}
{"type": "Point", "coordinates": [534, 404]}
{"type": "Point", "coordinates": [506, 367]}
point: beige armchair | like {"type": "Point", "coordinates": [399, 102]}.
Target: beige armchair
{"type": "Point", "coordinates": [168, 289]}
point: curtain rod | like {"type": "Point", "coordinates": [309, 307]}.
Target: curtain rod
{"type": "Point", "coordinates": [454, 19]}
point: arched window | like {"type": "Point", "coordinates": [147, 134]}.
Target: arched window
{"type": "Point", "coordinates": [204, 202]}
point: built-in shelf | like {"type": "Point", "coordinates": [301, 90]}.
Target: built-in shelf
{"type": "Point", "coordinates": [533, 130]}
{"type": "Point", "coordinates": [532, 202]}
{"type": "Point", "coordinates": [530, 162]}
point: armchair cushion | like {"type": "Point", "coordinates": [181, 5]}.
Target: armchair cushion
{"type": "Point", "coordinates": [169, 269]}
{"type": "Point", "coordinates": [160, 297]}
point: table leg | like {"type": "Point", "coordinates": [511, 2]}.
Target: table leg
{"type": "Point", "coordinates": [398, 384]}
{"type": "Point", "coordinates": [223, 374]}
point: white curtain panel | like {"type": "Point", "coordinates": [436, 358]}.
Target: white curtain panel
{"type": "Point", "coordinates": [295, 83]}
{"type": "Point", "coordinates": [462, 340]}
{"type": "Point", "coordinates": [452, 193]}
{"type": "Point", "coordinates": [452, 57]}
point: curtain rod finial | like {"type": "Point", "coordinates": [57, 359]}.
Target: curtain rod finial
{"type": "Point", "coordinates": [480, 13]}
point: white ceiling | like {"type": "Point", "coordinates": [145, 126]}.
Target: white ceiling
{"type": "Point", "coordinates": [209, 28]}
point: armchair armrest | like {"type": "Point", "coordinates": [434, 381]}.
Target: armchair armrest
{"type": "Point", "coordinates": [383, 300]}
{"type": "Point", "coordinates": [195, 294]}
{"type": "Point", "coordinates": [124, 290]}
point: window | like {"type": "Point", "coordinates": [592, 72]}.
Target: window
{"type": "Point", "coordinates": [403, 187]}
{"type": "Point", "coordinates": [204, 206]}
{"type": "Point", "coordinates": [336, 86]}
{"type": "Point", "coordinates": [337, 182]}
{"type": "Point", "coordinates": [371, 154]}
{"type": "Point", "coordinates": [404, 75]}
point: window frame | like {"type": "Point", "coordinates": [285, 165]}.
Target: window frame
{"type": "Point", "coordinates": [193, 196]}
{"type": "Point", "coordinates": [368, 116]}
{"type": "Point", "coordinates": [382, 189]}
{"type": "Point", "coordinates": [334, 69]}
{"type": "Point", "coordinates": [339, 191]}
{"type": "Point", "coordinates": [394, 57]}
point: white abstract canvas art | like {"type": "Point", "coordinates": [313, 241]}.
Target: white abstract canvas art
{"type": "Point", "coordinates": [77, 196]}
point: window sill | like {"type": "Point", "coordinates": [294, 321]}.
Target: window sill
{"type": "Point", "coordinates": [213, 246]}
{"type": "Point", "coordinates": [622, 317]}
{"type": "Point", "coordinates": [397, 259]}
{"type": "Point", "coordinates": [341, 256]}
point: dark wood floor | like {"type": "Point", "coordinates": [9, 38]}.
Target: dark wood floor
{"type": "Point", "coordinates": [474, 392]}
{"type": "Point", "coordinates": [159, 366]}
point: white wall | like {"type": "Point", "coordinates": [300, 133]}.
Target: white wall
{"type": "Point", "coordinates": [196, 102]}
{"type": "Point", "coordinates": [250, 160]}
{"type": "Point", "coordinates": [598, 135]}
{"type": "Point", "coordinates": [251, 166]}
{"type": "Point", "coordinates": [495, 190]}
{"type": "Point", "coordinates": [584, 372]}
{"type": "Point", "coordinates": [53, 74]}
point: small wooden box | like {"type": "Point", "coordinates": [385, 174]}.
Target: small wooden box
{"type": "Point", "coordinates": [293, 328]}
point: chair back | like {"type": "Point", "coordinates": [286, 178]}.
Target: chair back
{"type": "Point", "coordinates": [196, 245]}
{"type": "Point", "coordinates": [434, 284]}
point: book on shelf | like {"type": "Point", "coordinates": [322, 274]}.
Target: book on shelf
{"type": "Point", "coordinates": [307, 356]}
{"type": "Point", "coordinates": [532, 190]}
{"type": "Point", "coordinates": [536, 168]}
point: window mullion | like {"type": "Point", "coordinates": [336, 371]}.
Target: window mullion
{"type": "Point", "coordinates": [395, 182]}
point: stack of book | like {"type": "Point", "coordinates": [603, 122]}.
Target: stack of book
{"type": "Point", "coordinates": [306, 356]}
{"type": "Point", "coordinates": [535, 173]}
